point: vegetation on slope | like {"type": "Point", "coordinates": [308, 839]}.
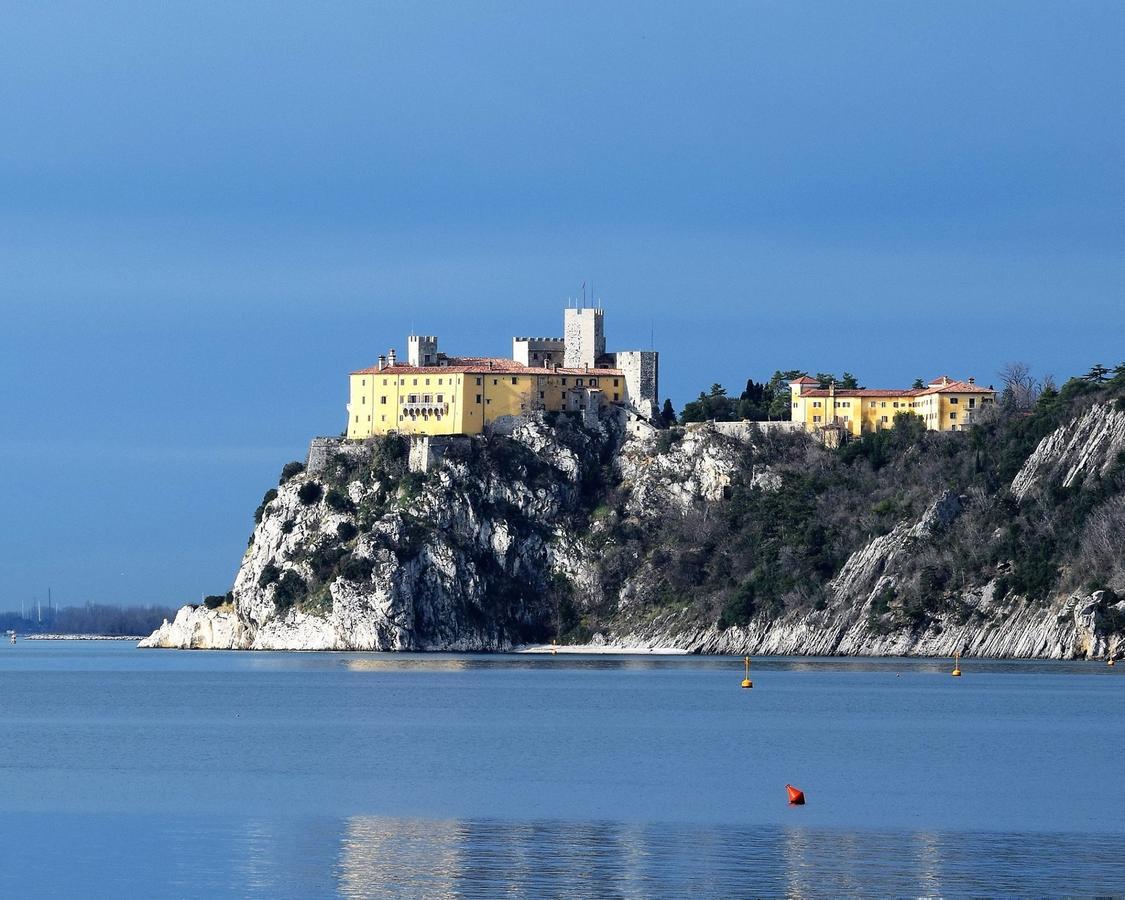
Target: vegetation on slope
{"type": "Point", "coordinates": [760, 552]}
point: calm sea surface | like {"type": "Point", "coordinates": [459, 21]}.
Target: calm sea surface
{"type": "Point", "coordinates": [127, 772]}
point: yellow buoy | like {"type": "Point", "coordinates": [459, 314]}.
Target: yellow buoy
{"type": "Point", "coordinates": [956, 665]}
{"type": "Point", "coordinates": [1109, 662]}
{"type": "Point", "coordinates": [746, 682]}
{"type": "Point", "coordinates": [554, 648]}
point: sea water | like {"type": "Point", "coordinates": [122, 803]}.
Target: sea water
{"type": "Point", "coordinates": [127, 772]}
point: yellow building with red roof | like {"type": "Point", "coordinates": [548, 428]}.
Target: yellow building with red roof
{"type": "Point", "coordinates": [945, 404]}
{"type": "Point", "coordinates": [436, 394]}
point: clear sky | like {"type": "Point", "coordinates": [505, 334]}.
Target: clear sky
{"type": "Point", "coordinates": [211, 212]}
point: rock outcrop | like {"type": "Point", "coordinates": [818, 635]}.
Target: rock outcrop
{"type": "Point", "coordinates": [503, 540]}
{"type": "Point", "coordinates": [1075, 453]}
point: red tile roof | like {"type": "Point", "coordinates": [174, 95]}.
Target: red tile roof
{"type": "Point", "coordinates": [805, 380]}
{"type": "Point", "coordinates": [954, 387]}
{"type": "Point", "coordinates": [482, 365]}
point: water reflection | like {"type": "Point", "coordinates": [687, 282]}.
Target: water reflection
{"type": "Point", "coordinates": [385, 857]}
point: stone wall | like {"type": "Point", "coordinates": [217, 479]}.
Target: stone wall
{"type": "Point", "coordinates": [642, 379]}
{"type": "Point", "coordinates": [743, 431]}
{"type": "Point", "coordinates": [538, 351]}
{"type": "Point", "coordinates": [426, 451]}
{"type": "Point", "coordinates": [321, 449]}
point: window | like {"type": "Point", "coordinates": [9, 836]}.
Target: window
{"type": "Point", "coordinates": [439, 381]}
{"type": "Point", "coordinates": [363, 400]}
{"type": "Point", "coordinates": [383, 401]}
{"type": "Point", "coordinates": [564, 381]}
{"type": "Point", "coordinates": [952, 399]}
{"type": "Point", "coordinates": [953, 415]}
{"type": "Point", "coordinates": [441, 398]}
{"type": "Point", "coordinates": [415, 382]}
{"type": "Point", "coordinates": [972, 402]}
{"type": "Point", "coordinates": [427, 382]}
{"type": "Point", "coordinates": [515, 380]}
{"type": "Point", "coordinates": [364, 381]}
{"type": "Point", "coordinates": [883, 404]}
{"type": "Point", "coordinates": [578, 382]}
{"type": "Point", "coordinates": [593, 382]}
{"type": "Point", "coordinates": [478, 395]}
{"type": "Point", "coordinates": [816, 403]}
{"type": "Point", "coordinates": [369, 418]}
{"type": "Point", "coordinates": [615, 382]}
{"type": "Point", "coordinates": [816, 419]}
{"type": "Point", "coordinates": [884, 418]}
{"type": "Point", "coordinates": [478, 382]}
{"type": "Point", "coordinates": [494, 381]}
{"type": "Point", "coordinates": [357, 420]}
{"type": "Point", "coordinates": [541, 395]}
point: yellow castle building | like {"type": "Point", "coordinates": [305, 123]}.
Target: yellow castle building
{"type": "Point", "coordinates": [944, 405]}
{"type": "Point", "coordinates": [436, 394]}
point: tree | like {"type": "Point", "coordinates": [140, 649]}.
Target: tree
{"type": "Point", "coordinates": [1097, 374]}
{"type": "Point", "coordinates": [668, 415]}
{"type": "Point", "coordinates": [824, 379]}
{"type": "Point", "coordinates": [918, 384]}
{"type": "Point", "coordinates": [716, 406]}
{"type": "Point", "coordinates": [1020, 390]}
{"type": "Point", "coordinates": [1119, 372]}
{"type": "Point", "coordinates": [849, 382]}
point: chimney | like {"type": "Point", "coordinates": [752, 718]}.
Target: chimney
{"type": "Point", "coordinates": [972, 380]}
{"type": "Point", "coordinates": [391, 357]}
{"type": "Point", "coordinates": [382, 363]}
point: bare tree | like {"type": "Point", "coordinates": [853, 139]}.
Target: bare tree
{"type": "Point", "coordinates": [1021, 390]}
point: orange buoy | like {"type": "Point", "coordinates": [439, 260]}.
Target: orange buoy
{"type": "Point", "coordinates": [796, 797]}
{"type": "Point", "coordinates": [956, 673]}
{"type": "Point", "coordinates": [746, 682]}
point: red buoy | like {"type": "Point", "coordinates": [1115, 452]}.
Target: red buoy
{"type": "Point", "coordinates": [796, 797]}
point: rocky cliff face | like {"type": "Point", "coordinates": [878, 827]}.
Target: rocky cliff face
{"type": "Point", "coordinates": [506, 541]}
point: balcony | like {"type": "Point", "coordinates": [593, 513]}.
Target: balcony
{"type": "Point", "coordinates": [425, 409]}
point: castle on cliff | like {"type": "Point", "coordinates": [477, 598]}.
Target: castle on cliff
{"type": "Point", "coordinates": [436, 394]}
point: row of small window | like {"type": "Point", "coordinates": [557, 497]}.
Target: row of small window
{"type": "Point", "coordinates": [895, 404]}
{"type": "Point", "coordinates": [578, 382]}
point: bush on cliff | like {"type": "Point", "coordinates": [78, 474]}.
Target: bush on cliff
{"type": "Point", "coordinates": [260, 512]}
{"type": "Point", "coordinates": [290, 470]}
{"type": "Point", "coordinates": [309, 493]}
{"type": "Point", "coordinates": [288, 590]}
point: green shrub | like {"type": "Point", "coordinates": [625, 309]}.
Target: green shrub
{"type": "Point", "coordinates": [289, 589]}
{"type": "Point", "coordinates": [260, 512]}
{"type": "Point", "coordinates": [339, 501]}
{"type": "Point", "coordinates": [345, 531]}
{"type": "Point", "coordinates": [287, 526]}
{"type": "Point", "coordinates": [214, 601]}
{"type": "Point", "coordinates": [270, 574]}
{"type": "Point", "coordinates": [309, 493]}
{"type": "Point", "coordinates": [290, 470]}
{"type": "Point", "coordinates": [356, 568]}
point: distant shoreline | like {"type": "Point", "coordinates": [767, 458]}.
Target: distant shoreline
{"type": "Point", "coordinates": [80, 637]}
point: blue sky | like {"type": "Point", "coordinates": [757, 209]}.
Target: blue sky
{"type": "Point", "coordinates": [210, 213]}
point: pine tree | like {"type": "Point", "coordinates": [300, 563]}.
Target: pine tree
{"type": "Point", "coordinates": [918, 384]}
{"type": "Point", "coordinates": [668, 414]}
{"type": "Point", "coordinates": [1097, 374]}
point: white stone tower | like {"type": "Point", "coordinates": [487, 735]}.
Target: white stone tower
{"type": "Point", "coordinates": [584, 333]}
{"type": "Point", "coordinates": [422, 349]}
